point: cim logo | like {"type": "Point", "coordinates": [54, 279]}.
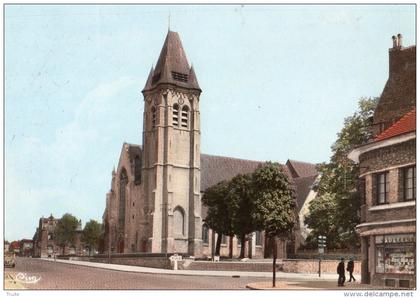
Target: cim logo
{"type": "Point", "coordinates": [27, 279]}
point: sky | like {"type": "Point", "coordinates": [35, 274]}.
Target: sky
{"type": "Point", "coordinates": [277, 83]}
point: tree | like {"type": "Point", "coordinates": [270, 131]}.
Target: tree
{"type": "Point", "coordinates": [274, 205]}
{"type": "Point", "coordinates": [338, 183]}
{"type": "Point", "coordinates": [65, 230]}
{"type": "Point", "coordinates": [241, 205]}
{"type": "Point", "coordinates": [91, 234]}
{"type": "Point", "coordinates": [219, 217]}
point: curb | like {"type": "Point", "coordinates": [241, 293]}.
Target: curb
{"type": "Point", "coordinates": [147, 270]}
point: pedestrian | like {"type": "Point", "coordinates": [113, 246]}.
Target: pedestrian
{"type": "Point", "coordinates": [341, 273]}
{"type": "Point", "coordinates": [350, 268]}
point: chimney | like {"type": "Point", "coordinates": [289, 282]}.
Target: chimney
{"type": "Point", "coordinates": [394, 42]}
{"type": "Point", "coordinates": [399, 40]}
{"type": "Point", "coordinates": [399, 57]}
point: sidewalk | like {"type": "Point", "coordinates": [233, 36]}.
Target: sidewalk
{"type": "Point", "coordinates": [127, 268]}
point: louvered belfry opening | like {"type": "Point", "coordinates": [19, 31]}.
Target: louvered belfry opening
{"type": "Point", "coordinates": [182, 77]}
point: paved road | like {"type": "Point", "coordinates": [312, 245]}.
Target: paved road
{"type": "Point", "coordinates": [66, 276]}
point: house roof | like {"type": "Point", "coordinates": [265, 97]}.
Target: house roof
{"type": "Point", "coordinates": [301, 169]}
{"type": "Point", "coordinates": [303, 187]}
{"type": "Point", "coordinates": [172, 66]}
{"type": "Point", "coordinates": [406, 124]}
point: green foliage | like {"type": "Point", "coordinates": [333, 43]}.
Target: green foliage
{"type": "Point", "coordinates": [240, 204]}
{"type": "Point", "coordinates": [334, 212]}
{"type": "Point", "coordinates": [65, 230]}
{"type": "Point", "coordinates": [274, 202]}
{"type": "Point", "coordinates": [92, 233]}
{"type": "Point", "coordinates": [219, 216]}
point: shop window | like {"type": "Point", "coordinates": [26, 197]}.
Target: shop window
{"type": "Point", "coordinates": [410, 183]}
{"type": "Point", "coordinates": [395, 254]}
{"type": "Point", "coordinates": [382, 180]}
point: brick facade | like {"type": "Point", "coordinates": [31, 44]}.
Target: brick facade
{"type": "Point", "coordinates": [44, 244]}
{"type": "Point", "coordinates": [387, 169]}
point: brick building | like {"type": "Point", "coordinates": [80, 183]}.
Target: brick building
{"type": "Point", "coordinates": [388, 178]}
{"type": "Point", "coordinates": [154, 204]}
{"type": "Point", "coordinates": [44, 244]}
{"type": "Point", "coordinates": [26, 247]}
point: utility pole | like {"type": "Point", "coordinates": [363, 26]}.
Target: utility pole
{"type": "Point", "coordinates": [322, 243]}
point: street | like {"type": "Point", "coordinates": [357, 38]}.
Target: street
{"type": "Point", "coordinates": [72, 277]}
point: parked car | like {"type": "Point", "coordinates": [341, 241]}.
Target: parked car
{"type": "Point", "coordinates": [9, 259]}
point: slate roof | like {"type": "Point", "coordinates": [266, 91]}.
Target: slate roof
{"type": "Point", "coordinates": [301, 169]}
{"type": "Point", "coordinates": [172, 66]}
{"type": "Point", "coordinates": [303, 187]}
{"type": "Point", "coordinates": [218, 168]}
{"type": "Point", "coordinates": [406, 124]}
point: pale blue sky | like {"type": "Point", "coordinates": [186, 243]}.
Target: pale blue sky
{"type": "Point", "coordinates": [277, 83]}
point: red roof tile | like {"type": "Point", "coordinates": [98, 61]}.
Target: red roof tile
{"type": "Point", "coordinates": [406, 124]}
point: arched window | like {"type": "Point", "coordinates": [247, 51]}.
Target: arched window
{"type": "Point", "coordinates": [153, 117]}
{"type": "Point", "coordinates": [179, 221]}
{"type": "Point", "coordinates": [175, 115]}
{"type": "Point", "coordinates": [122, 199]}
{"type": "Point", "coordinates": [258, 238]}
{"type": "Point", "coordinates": [205, 234]}
{"type": "Point", "coordinates": [184, 117]}
{"type": "Point", "coordinates": [137, 169]}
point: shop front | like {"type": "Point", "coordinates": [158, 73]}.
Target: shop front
{"type": "Point", "coordinates": [395, 260]}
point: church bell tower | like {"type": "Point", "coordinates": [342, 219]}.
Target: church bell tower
{"type": "Point", "coordinates": [171, 152]}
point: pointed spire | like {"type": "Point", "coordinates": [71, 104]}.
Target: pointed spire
{"type": "Point", "coordinates": [193, 78]}
{"type": "Point", "coordinates": [149, 79]}
{"type": "Point", "coordinates": [172, 66]}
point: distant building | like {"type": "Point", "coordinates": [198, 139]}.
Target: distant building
{"type": "Point", "coordinates": [44, 244]}
{"type": "Point", "coordinates": [6, 246]}
{"type": "Point", "coordinates": [15, 247]}
{"type": "Point", "coordinates": [388, 178]}
{"type": "Point", "coordinates": [26, 247]}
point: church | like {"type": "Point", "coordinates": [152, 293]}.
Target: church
{"type": "Point", "coordinates": [154, 203]}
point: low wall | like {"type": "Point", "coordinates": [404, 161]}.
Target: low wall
{"type": "Point", "coordinates": [311, 266]}
{"type": "Point", "coordinates": [228, 266]}
{"type": "Point", "coordinates": [140, 259]}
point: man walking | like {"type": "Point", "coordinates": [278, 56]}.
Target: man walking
{"type": "Point", "coordinates": [341, 273]}
{"type": "Point", "coordinates": [350, 268]}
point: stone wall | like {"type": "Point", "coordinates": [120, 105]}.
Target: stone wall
{"type": "Point", "coordinates": [229, 266]}
{"type": "Point", "coordinates": [143, 260]}
{"type": "Point", "coordinates": [311, 266]}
